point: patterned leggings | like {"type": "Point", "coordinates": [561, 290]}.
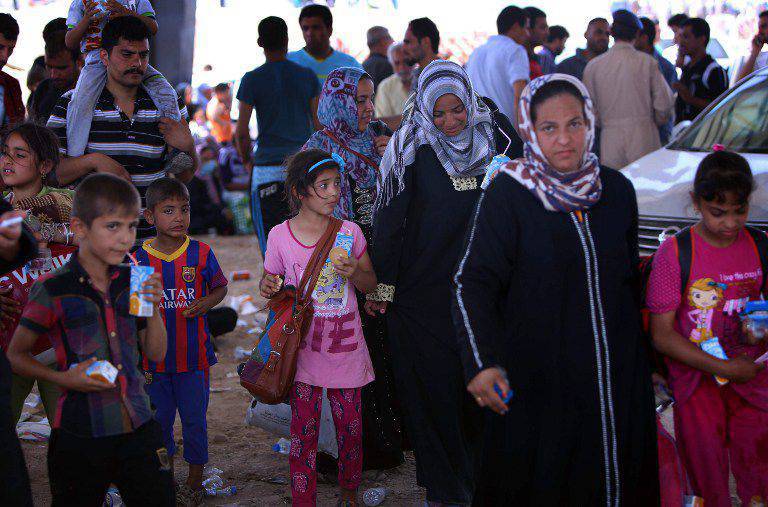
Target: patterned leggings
{"type": "Point", "coordinates": [306, 407]}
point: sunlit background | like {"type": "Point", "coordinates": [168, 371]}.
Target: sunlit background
{"type": "Point", "coordinates": [225, 30]}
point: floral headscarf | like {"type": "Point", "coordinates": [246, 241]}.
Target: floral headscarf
{"type": "Point", "coordinates": [463, 155]}
{"type": "Point", "coordinates": [564, 192]}
{"type": "Point", "coordinates": [337, 112]}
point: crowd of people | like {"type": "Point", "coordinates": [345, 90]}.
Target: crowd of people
{"type": "Point", "coordinates": [481, 304]}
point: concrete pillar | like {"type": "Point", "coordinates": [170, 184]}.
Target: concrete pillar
{"type": "Point", "coordinates": [173, 46]}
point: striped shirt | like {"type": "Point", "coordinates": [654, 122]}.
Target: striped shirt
{"type": "Point", "coordinates": [190, 273]}
{"type": "Point", "coordinates": [136, 143]}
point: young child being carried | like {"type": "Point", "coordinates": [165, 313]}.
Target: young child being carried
{"type": "Point", "coordinates": [85, 22]}
{"type": "Point", "coordinates": [192, 285]}
{"type": "Point", "coordinates": [30, 152]}
{"type": "Point", "coordinates": [333, 354]}
{"type": "Point", "coordinates": [103, 432]}
{"type": "Point", "coordinates": [721, 393]}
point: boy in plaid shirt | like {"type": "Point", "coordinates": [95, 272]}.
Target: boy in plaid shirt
{"type": "Point", "coordinates": [103, 432]}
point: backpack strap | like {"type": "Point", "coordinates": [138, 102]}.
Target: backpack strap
{"type": "Point", "coordinates": [761, 245]}
{"type": "Point", "coordinates": [684, 244]}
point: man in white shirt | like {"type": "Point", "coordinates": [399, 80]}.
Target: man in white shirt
{"type": "Point", "coordinates": [756, 59]}
{"type": "Point", "coordinates": [393, 92]}
{"type": "Point", "coordinates": [499, 69]}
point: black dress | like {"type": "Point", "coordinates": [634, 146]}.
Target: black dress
{"type": "Point", "coordinates": [418, 238]}
{"type": "Point", "coordinates": [551, 298]}
{"type": "Point", "coordinates": [382, 423]}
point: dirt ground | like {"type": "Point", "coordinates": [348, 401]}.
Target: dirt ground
{"type": "Point", "coordinates": [244, 453]}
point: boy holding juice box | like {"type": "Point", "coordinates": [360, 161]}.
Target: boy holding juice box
{"type": "Point", "coordinates": [104, 431]}
{"type": "Point", "coordinates": [193, 283]}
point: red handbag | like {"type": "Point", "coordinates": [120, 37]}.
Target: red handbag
{"type": "Point", "coordinates": [270, 371]}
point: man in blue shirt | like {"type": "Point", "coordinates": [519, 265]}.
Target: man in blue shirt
{"type": "Point", "coordinates": [316, 24]}
{"type": "Point", "coordinates": [644, 43]}
{"type": "Point", "coordinates": [284, 95]}
{"type": "Point", "coordinates": [597, 44]}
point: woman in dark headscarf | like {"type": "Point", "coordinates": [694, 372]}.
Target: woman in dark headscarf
{"type": "Point", "coordinates": [345, 110]}
{"type": "Point", "coordinates": [546, 312]}
{"type": "Point", "coordinates": [430, 180]}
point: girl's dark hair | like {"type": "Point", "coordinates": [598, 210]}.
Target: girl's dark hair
{"type": "Point", "coordinates": [297, 181]}
{"type": "Point", "coordinates": [553, 89]}
{"type": "Point", "coordinates": [42, 142]}
{"type": "Point", "coordinates": [721, 173]}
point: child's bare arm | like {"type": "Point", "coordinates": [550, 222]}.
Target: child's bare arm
{"type": "Point", "coordinates": [359, 271]}
{"type": "Point", "coordinates": [73, 37]}
{"type": "Point", "coordinates": [153, 339]}
{"type": "Point", "coordinates": [269, 285]}
{"type": "Point", "coordinates": [203, 305]}
{"type": "Point", "coordinates": [671, 343]}
{"type": "Point", "coordinates": [20, 356]}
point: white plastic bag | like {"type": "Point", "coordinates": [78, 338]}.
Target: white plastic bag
{"type": "Point", "coordinates": [276, 419]}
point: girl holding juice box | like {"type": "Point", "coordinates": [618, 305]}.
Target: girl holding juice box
{"type": "Point", "coordinates": [333, 354]}
{"type": "Point", "coordinates": [721, 392]}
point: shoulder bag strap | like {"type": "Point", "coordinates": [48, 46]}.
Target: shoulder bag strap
{"type": "Point", "coordinates": [354, 152]}
{"type": "Point", "coordinates": [684, 241]}
{"type": "Point", "coordinates": [319, 256]}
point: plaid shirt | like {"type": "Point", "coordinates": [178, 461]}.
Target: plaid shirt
{"type": "Point", "coordinates": [81, 323]}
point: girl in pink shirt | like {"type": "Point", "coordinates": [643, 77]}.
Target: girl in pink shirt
{"type": "Point", "coordinates": [333, 354]}
{"type": "Point", "coordinates": [721, 411]}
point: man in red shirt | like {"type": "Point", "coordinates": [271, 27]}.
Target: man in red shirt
{"type": "Point", "coordinates": [539, 30]}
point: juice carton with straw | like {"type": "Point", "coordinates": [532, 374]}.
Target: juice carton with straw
{"type": "Point", "coordinates": [139, 306]}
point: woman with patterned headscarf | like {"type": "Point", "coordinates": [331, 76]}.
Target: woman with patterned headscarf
{"type": "Point", "coordinates": [547, 316]}
{"type": "Point", "coordinates": [345, 111]}
{"type": "Point", "coordinates": [430, 180]}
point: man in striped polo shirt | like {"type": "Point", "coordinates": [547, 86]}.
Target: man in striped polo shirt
{"type": "Point", "coordinates": [128, 136]}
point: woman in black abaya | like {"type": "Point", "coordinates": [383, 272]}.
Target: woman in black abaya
{"type": "Point", "coordinates": [544, 305]}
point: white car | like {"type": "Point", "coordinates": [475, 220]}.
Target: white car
{"type": "Point", "coordinates": [663, 179]}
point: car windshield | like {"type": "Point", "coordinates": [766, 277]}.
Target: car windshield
{"type": "Point", "coordinates": [739, 121]}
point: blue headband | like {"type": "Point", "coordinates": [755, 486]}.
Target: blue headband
{"type": "Point", "coordinates": [335, 159]}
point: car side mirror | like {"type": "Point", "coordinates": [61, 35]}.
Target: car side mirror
{"type": "Point", "coordinates": [679, 129]}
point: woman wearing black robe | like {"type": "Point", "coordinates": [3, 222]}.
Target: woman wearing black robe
{"type": "Point", "coordinates": [545, 294]}
{"type": "Point", "coordinates": [430, 182]}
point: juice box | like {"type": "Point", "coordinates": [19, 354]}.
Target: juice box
{"type": "Point", "coordinates": [102, 370]}
{"type": "Point", "coordinates": [713, 348]}
{"type": "Point", "coordinates": [342, 247]}
{"type": "Point", "coordinates": [139, 306]}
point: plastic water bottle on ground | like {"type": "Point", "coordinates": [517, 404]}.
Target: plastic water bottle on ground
{"type": "Point", "coordinates": [283, 446]}
{"type": "Point", "coordinates": [112, 498]}
{"type": "Point", "coordinates": [213, 482]}
{"type": "Point", "coordinates": [374, 496]}
{"type": "Point", "coordinates": [228, 491]}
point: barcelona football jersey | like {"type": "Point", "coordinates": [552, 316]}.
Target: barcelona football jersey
{"type": "Point", "coordinates": [189, 273]}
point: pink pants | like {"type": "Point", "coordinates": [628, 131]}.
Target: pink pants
{"type": "Point", "coordinates": [306, 406]}
{"type": "Point", "coordinates": [716, 426]}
